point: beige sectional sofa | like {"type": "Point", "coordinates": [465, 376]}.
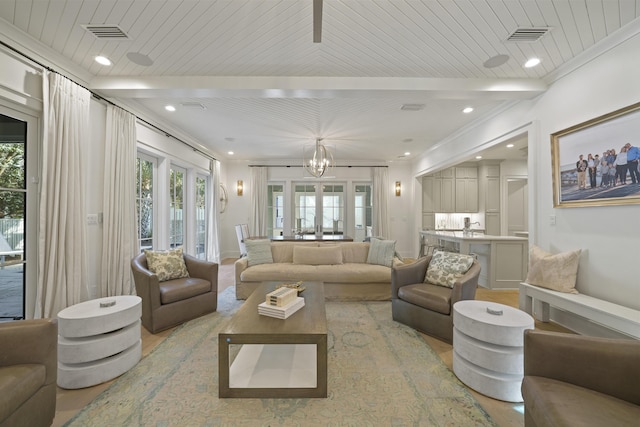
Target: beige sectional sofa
{"type": "Point", "coordinates": [343, 268]}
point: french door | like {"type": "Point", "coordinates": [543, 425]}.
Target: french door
{"type": "Point", "coordinates": [319, 208]}
{"type": "Point", "coordinates": [18, 213]}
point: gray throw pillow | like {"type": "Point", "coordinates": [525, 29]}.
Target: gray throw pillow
{"type": "Point", "coordinates": [381, 252]}
{"type": "Point", "coordinates": [258, 252]}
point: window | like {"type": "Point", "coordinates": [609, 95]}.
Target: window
{"type": "Point", "coordinates": [363, 210]}
{"type": "Point", "coordinates": [201, 216]}
{"type": "Point", "coordinates": [145, 172]}
{"type": "Point", "coordinates": [275, 209]}
{"type": "Point", "coordinates": [305, 208]}
{"type": "Point", "coordinates": [176, 206]}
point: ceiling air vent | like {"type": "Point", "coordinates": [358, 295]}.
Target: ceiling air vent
{"type": "Point", "coordinates": [194, 105]}
{"type": "Point", "coordinates": [528, 35]}
{"type": "Point", "coordinates": [412, 107]}
{"type": "Point", "coordinates": [106, 31]}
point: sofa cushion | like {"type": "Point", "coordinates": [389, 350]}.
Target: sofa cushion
{"type": "Point", "coordinates": [354, 252]}
{"type": "Point", "coordinates": [18, 383]}
{"type": "Point", "coordinates": [557, 272]}
{"type": "Point", "coordinates": [381, 252]}
{"type": "Point", "coordinates": [432, 297]}
{"type": "Point", "coordinates": [167, 265]}
{"type": "Point", "coordinates": [258, 251]}
{"type": "Point", "coordinates": [180, 289]}
{"type": "Point", "coordinates": [553, 402]}
{"type": "Point", "coordinates": [317, 255]}
{"type": "Point", "coordinates": [342, 273]}
{"type": "Point", "coordinates": [447, 267]}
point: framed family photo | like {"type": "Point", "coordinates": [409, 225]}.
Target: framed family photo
{"type": "Point", "coordinates": [597, 163]}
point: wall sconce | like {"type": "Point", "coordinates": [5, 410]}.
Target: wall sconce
{"type": "Point", "coordinates": [239, 187]}
{"type": "Point", "coordinates": [398, 188]}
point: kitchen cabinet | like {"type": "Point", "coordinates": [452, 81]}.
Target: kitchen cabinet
{"type": "Point", "coordinates": [451, 190]}
{"type": "Point", "coordinates": [466, 189]}
{"type": "Point", "coordinates": [492, 201]}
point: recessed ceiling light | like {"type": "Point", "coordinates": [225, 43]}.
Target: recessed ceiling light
{"type": "Point", "coordinates": [170, 108]}
{"type": "Point", "coordinates": [231, 153]}
{"type": "Point", "coordinates": [467, 110]}
{"type": "Point", "coordinates": [102, 60]}
{"type": "Point", "coordinates": [532, 62]}
{"type": "Point", "coordinates": [478, 157]}
{"type": "Point", "coordinates": [407, 153]}
{"type": "Point", "coordinates": [509, 145]}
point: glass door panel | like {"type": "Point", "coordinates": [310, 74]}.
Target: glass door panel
{"type": "Point", "coordinates": [13, 198]}
{"type": "Point", "coordinates": [319, 208]}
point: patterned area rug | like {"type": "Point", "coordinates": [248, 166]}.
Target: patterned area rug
{"type": "Point", "coordinates": [381, 373]}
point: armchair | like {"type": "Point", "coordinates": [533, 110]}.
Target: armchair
{"type": "Point", "coordinates": [172, 302]}
{"type": "Point", "coordinates": [426, 307]}
{"type": "Point", "coordinates": [575, 380]}
{"type": "Point", "coordinates": [28, 372]}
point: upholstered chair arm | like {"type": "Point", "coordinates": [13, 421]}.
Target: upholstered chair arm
{"type": "Point", "coordinates": [408, 274]}
{"type": "Point", "coordinates": [147, 283]}
{"type": "Point", "coordinates": [31, 342]}
{"type": "Point", "coordinates": [465, 287]}
{"type": "Point", "coordinates": [202, 269]}
{"type": "Point", "coordinates": [606, 365]}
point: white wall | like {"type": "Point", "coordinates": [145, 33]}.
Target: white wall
{"type": "Point", "coordinates": [609, 236]}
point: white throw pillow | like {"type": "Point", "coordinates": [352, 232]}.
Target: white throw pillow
{"type": "Point", "coordinates": [258, 251]}
{"type": "Point", "coordinates": [557, 272]}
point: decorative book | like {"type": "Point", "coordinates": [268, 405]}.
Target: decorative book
{"type": "Point", "coordinates": [281, 312]}
{"type": "Point", "coordinates": [281, 296]}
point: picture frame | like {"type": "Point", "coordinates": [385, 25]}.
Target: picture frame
{"type": "Point", "coordinates": [600, 141]}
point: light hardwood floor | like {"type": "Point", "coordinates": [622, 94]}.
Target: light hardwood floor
{"type": "Point", "coordinates": [505, 414]}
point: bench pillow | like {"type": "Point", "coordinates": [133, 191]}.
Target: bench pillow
{"type": "Point", "coordinates": [258, 252]}
{"type": "Point", "coordinates": [314, 255]}
{"type": "Point", "coordinates": [447, 267]}
{"type": "Point", "coordinates": [557, 272]}
{"type": "Point", "coordinates": [167, 265]}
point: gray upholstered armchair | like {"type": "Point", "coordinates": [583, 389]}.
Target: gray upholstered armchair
{"type": "Point", "coordinates": [426, 307]}
{"type": "Point", "coordinates": [575, 380]}
{"type": "Point", "coordinates": [172, 302]}
{"type": "Point", "coordinates": [28, 372]}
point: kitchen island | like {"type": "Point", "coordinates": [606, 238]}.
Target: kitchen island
{"type": "Point", "coordinates": [503, 259]}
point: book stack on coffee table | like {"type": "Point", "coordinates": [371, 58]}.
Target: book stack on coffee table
{"type": "Point", "coordinates": [281, 303]}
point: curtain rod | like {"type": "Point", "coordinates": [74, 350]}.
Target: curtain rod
{"type": "Point", "coordinates": [95, 95]}
{"type": "Point", "coordinates": [335, 166]}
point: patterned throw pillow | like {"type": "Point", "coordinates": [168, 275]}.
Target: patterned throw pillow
{"type": "Point", "coordinates": [258, 251]}
{"type": "Point", "coordinates": [167, 265]}
{"type": "Point", "coordinates": [447, 267]}
{"type": "Point", "coordinates": [381, 252]}
{"type": "Point", "coordinates": [558, 272]}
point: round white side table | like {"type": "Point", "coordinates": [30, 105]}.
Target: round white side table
{"type": "Point", "coordinates": [488, 347]}
{"type": "Point", "coordinates": [97, 344]}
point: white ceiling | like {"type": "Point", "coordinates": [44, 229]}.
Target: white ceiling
{"type": "Point", "coordinates": [246, 76]}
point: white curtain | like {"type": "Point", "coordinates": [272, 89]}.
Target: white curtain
{"type": "Point", "coordinates": [258, 191]}
{"type": "Point", "coordinates": [380, 202]}
{"type": "Point", "coordinates": [213, 244]}
{"type": "Point", "coordinates": [62, 265]}
{"type": "Point", "coordinates": [120, 238]}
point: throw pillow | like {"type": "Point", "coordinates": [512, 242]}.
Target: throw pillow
{"type": "Point", "coordinates": [167, 265]}
{"type": "Point", "coordinates": [557, 272]}
{"type": "Point", "coordinates": [381, 252]}
{"type": "Point", "coordinates": [258, 251]}
{"type": "Point", "coordinates": [447, 267]}
{"type": "Point", "coordinates": [314, 255]}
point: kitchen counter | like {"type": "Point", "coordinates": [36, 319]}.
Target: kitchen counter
{"type": "Point", "coordinates": [503, 259]}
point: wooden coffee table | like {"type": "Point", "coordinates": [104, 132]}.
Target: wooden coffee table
{"type": "Point", "coordinates": [265, 357]}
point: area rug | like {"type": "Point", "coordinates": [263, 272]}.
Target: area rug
{"type": "Point", "coordinates": [380, 373]}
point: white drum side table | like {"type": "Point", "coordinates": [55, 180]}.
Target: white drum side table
{"type": "Point", "coordinates": [97, 344]}
{"type": "Point", "coordinates": [488, 348]}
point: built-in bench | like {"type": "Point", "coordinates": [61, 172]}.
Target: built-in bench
{"type": "Point", "coordinates": [537, 302]}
